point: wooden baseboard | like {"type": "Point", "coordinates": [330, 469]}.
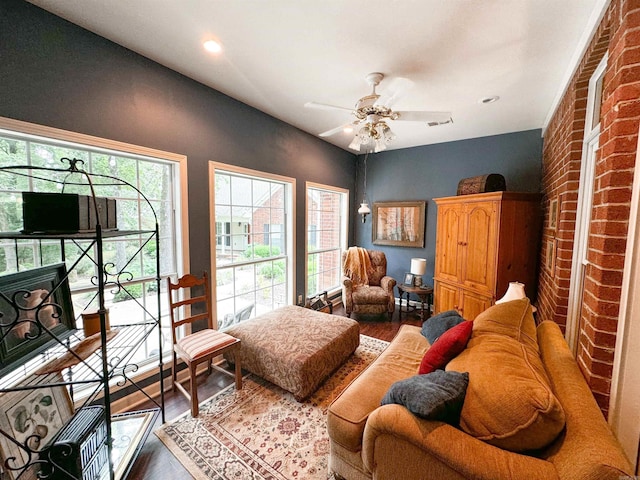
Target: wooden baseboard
{"type": "Point", "coordinates": [134, 399]}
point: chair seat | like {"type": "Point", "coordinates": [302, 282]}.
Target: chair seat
{"type": "Point", "coordinates": [370, 295]}
{"type": "Point", "coordinates": [202, 343]}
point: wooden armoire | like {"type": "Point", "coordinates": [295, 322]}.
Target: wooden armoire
{"type": "Point", "coordinates": [483, 242]}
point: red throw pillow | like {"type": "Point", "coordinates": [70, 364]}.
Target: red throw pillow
{"type": "Point", "coordinates": [447, 347]}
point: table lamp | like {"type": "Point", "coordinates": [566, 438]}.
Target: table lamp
{"type": "Point", "coordinates": [514, 292]}
{"type": "Point", "coordinates": [418, 267]}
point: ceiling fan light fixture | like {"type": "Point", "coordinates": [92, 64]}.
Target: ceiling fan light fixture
{"type": "Point", "coordinates": [372, 111]}
{"type": "Point", "coordinates": [366, 134]}
{"type": "Point", "coordinates": [387, 134]}
{"type": "Point", "coordinates": [380, 145]}
{"type": "Point", "coordinates": [355, 144]}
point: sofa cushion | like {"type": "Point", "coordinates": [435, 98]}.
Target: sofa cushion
{"type": "Point", "coordinates": [435, 326]}
{"type": "Point", "coordinates": [509, 401]}
{"type": "Point", "coordinates": [366, 294]}
{"type": "Point", "coordinates": [446, 347]}
{"type": "Point", "coordinates": [348, 413]}
{"type": "Point", "coordinates": [435, 396]}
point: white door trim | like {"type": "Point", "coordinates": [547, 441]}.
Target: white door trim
{"type": "Point", "coordinates": [624, 404]}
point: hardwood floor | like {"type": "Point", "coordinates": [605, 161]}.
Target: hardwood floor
{"type": "Point", "coordinates": [155, 461]}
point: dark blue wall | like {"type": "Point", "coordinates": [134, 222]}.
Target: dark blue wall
{"type": "Point", "coordinates": [56, 74]}
{"type": "Point", "coordinates": [425, 173]}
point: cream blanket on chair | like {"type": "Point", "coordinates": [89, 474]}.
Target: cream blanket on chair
{"type": "Point", "coordinates": [357, 265]}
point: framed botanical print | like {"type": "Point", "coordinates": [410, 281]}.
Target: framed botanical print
{"type": "Point", "coordinates": [31, 418]}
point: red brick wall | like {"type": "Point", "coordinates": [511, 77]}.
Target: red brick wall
{"type": "Point", "coordinates": [619, 35]}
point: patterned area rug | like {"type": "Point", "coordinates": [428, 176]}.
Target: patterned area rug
{"type": "Point", "coordinates": [261, 431]}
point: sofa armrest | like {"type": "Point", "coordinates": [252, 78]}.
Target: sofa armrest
{"type": "Point", "coordinates": [434, 449]}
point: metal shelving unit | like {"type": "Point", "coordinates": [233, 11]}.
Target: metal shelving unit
{"type": "Point", "coordinates": [90, 382]}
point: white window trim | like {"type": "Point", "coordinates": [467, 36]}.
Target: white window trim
{"type": "Point", "coordinates": [290, 239]}
{"type": "Point", "coordinates": [345, 226]}
{"type": "Point", "coordinates": [583, 213]}
{"type": "Point", "coordinates": [79, 138]}
{"type": "Point", "coordinates": [44, 133]}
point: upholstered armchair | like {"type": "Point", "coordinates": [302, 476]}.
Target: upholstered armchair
{"type": "Point", "coordinates": [373, 297]}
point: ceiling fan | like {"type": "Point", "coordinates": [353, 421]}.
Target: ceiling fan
{"type": "Point", "coordinates": [373, 111]}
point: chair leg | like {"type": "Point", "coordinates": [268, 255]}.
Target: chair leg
{"type": "Point", "coordinates": [194, 390]}
{"type": "Point", "coordinates": [236, 359]}
{"type": "Point", "coordinates": [174, 373]}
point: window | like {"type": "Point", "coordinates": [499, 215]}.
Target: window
{"type": "Point", "coordinates": [253, 258]}
{"type": "Point", "coordinates": [586, 189]}
{"type": "Point", "coordinates": [157, 174]}
{"type": "Point", "coordinates": [326, 228]}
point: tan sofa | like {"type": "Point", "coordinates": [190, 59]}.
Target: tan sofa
{"type": "Point", "coordinates": [388, 442]}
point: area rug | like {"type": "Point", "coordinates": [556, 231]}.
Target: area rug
{"type": "Point", "coordinates": [261, 432]}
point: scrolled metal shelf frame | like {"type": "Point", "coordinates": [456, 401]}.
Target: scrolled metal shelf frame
{"type": "Point", "coordinates": [113, 362]}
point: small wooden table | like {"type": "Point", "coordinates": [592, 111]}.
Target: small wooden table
{"type": "Point", "coordinates": [425, 293]}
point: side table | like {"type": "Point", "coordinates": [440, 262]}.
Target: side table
{"type": "Point", "coordinates": [425, 293]}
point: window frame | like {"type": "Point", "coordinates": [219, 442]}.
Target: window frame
{"type": "Point", "coordinates": [50, 135]}
{"type": "Point", "coordinates": [344, 231]}
{"type": "Point", "coordinates": [290, 225]}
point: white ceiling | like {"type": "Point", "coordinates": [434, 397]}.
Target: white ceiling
{"type": "Point", "coordinates": [280, 54]}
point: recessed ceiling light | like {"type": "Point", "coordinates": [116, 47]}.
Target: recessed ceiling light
{"type": "Point", "coordinates": [212, 46]}
{"type": "Point", "coordinates": [486, 100]}
{"type": "Point", "coordinates": [348, 129]}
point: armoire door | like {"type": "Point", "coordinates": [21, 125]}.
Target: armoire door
{"type": "Point", "coordinates": [480, 239]}
{"type": "Point", "coordinates": [448, 262]}
{"type": "Point", "coordinates": [445, 297]}
{"type": "Point", "coordinates": [472, 304]}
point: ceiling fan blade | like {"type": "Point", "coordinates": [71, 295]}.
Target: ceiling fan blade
{"type": "Point", "coordinates": [394, 91]}
{"type": "Point", "coordinates": [424, 116]}
{"type": "Point", "coordinates": [333, 131]}
{"type": "Point", "coordinates": [325, 106]}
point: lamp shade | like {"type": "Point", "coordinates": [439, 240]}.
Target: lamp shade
{"type": "Point", "coordinates": [418, 266]}
{"type": "Point", "coordinates": [364, 209]}
{"type": "Point", "coordinates": [514, 292]}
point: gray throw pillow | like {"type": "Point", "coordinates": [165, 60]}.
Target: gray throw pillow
{"type": "Point", "coordinates": [435, 396]}
{"type": "Point", "coordinates": [435, 326]}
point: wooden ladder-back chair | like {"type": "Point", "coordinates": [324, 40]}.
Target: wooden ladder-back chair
{"type": "Point", "coordinates": [201, 346]}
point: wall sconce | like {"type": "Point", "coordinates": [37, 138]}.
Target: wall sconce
{"type": "Point", "coordinates": [364, 210]}
{"type": "Point", "coordinates": [418, 267]}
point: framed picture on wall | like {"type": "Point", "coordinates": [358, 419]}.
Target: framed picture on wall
{"type": "Point", "coordinates": [399, 223]}
{"type": "Point", "coordinates": [554, 213]}
{"type": "Point", "coordinates": [551, 256]}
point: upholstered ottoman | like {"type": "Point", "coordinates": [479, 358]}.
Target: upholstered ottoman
{"type": "Point", "coordinates": [296, 348]}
